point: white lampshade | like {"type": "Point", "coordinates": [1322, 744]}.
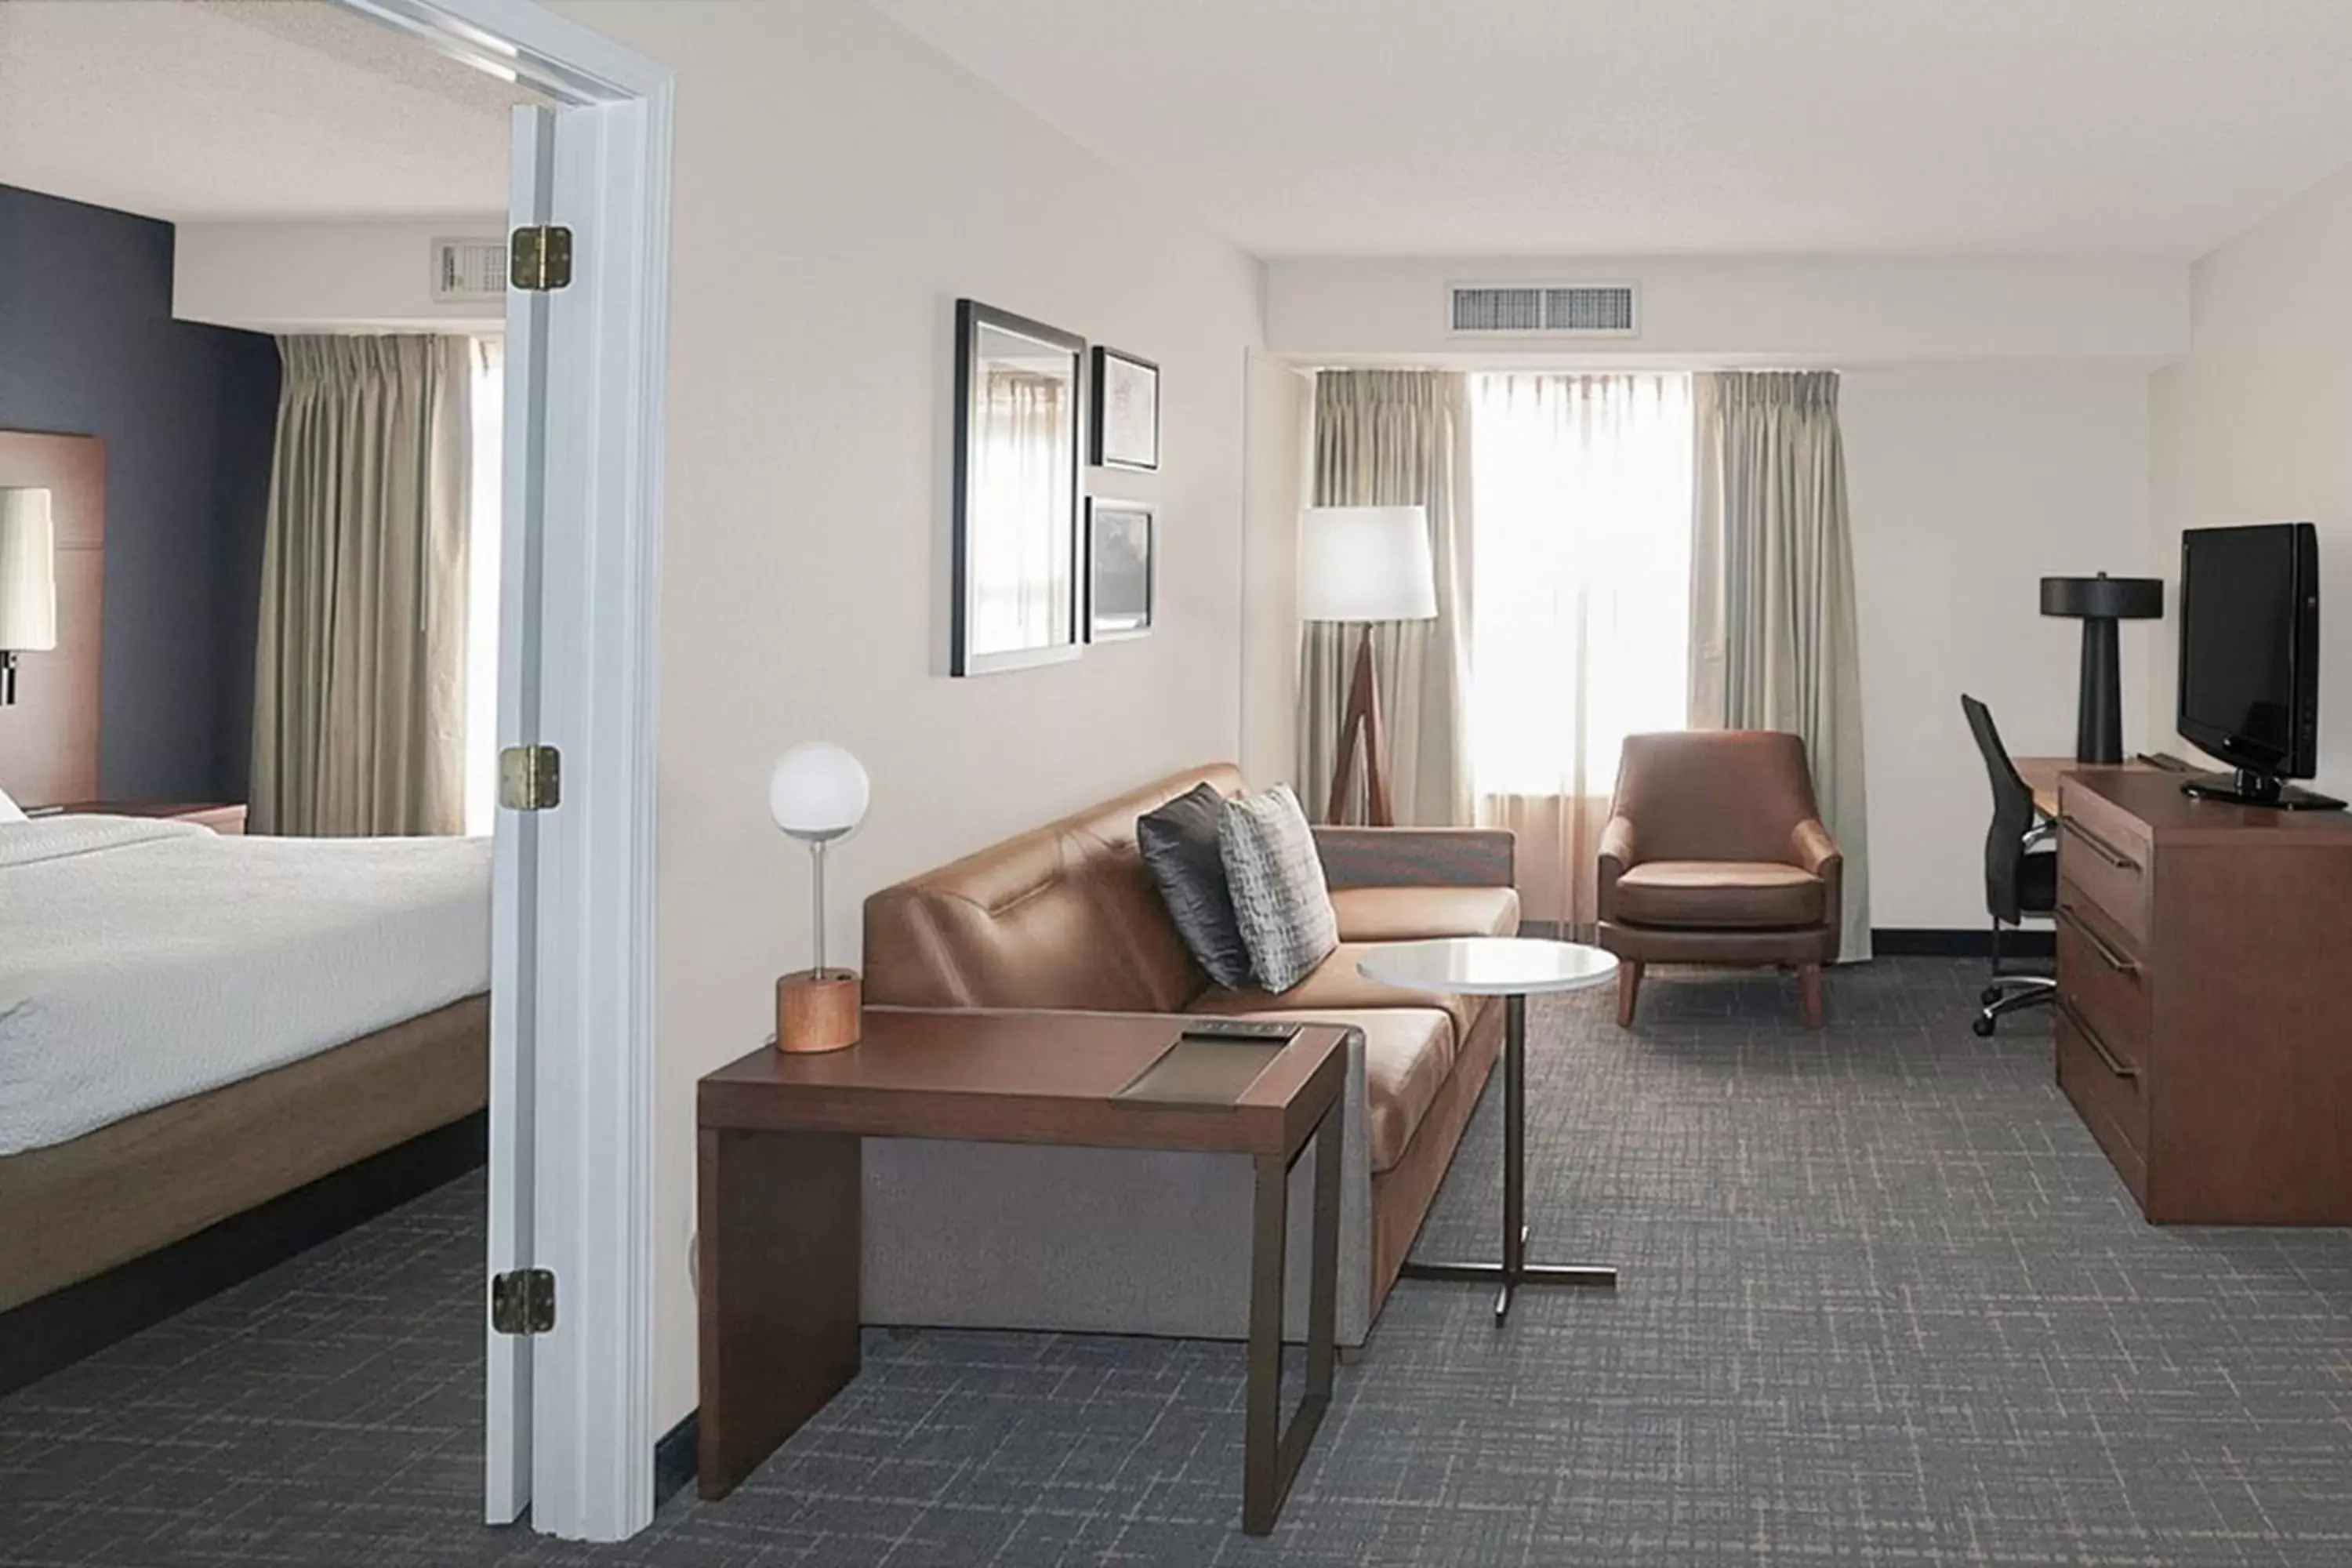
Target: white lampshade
{"type": "Point", "coordinates": [1365, 564]}
{"type": "Point", "coordinates": [817, 790]}
{"type": "Point", "coordinates": [28, 573]}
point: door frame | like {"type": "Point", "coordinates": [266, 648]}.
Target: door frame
{"type": "Point", "coordinates": [591, 1166]}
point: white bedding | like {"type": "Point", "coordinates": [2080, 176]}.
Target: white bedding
{"type": "Point", "coordinates": [143, 962]}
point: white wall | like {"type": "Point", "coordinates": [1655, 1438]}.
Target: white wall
{"type": "Point", "coordinates": [1727, 311]}
{"type": "Point", "coordinates": [325, 277]}
{"type": "Point", "coordinates": [2256, 426]}
{"type": "Point", "coordinates": [1968, 484]}
{"type": "Point", "coordinates": [838, 187]}
{"type": "Point", "coordinates": [1281, 411]}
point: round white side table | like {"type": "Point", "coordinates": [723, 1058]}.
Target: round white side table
{"type": "Point", "coordinates": [1512, 968]}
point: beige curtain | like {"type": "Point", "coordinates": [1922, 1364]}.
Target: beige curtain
{"type": "Point", "coordinates": [359, 706]}
{"type": "Point", "coordinates": [1774, 644]}
{"type": "Point", "coordinates": [1388, 437]}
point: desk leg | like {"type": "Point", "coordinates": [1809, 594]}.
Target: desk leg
{"type": "Point", "coordinates": [1271, 1454]}
{"type": "Point", "coordinates": [779, 1217]}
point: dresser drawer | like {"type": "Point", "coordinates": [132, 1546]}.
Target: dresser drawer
{"type": "Point", "coordinates": [2106, 855]}
{"type": "Point", "coordinates": [2109, 1096]}
{"type": "Point", "coordinates": [2102, 978]}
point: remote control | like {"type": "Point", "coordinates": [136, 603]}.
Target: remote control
{"type": "Point", "coordinates": [1240, 1029]}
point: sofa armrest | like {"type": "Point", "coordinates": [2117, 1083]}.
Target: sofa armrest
{"type": "Point", "coordinates": [1811, 847]}
{"type": "Point", "coordinates": [1418, 856]}
{"type": "Point", "coordinates": [1617, 857]}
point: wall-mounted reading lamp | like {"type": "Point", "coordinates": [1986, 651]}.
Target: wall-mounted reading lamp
{"type": "Point", "coordinates": [28, 582]}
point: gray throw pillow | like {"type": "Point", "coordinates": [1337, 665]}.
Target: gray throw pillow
{"type": "Point", "coordinates": [1275, 879]}
{"type": "Point", "coordinates": [1180, 849]}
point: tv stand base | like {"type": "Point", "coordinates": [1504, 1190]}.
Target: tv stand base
{"type": "Point", "coordinates": [2248, 787]}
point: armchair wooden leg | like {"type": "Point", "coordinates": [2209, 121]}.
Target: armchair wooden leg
{"type": "Point", "coordinates": [1629, 991]}
{"type": "Point", "coordinates": [1809, 976]}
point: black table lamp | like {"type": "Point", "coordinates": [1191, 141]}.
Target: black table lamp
{"type": "Point", "coordinates": [2099, 603]}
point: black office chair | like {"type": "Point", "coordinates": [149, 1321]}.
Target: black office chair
{"type": "Point", "coordinates": [2018, 882]}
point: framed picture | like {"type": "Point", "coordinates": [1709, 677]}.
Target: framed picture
{"type": "Point", "coordinates": [1122, 569]}
{"type": "Point", "coordinates": [1126, 411]}
{"type": "Point", "coordinates": [1019, 591]}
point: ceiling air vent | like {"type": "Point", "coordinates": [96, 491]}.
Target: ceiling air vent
{"type": "Point", "coordinates": [1545, 310]}
{"type": "Point", "coordinates": [466, 270]}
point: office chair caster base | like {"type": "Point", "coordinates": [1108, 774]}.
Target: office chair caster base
{"type": "Point", "coordinates": [1982, 1025]}
{"type": "Point", "coordinates": [1989, 995]}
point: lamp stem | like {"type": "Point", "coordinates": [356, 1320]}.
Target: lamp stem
{"type": "Point", "coordinates": [816, 885]}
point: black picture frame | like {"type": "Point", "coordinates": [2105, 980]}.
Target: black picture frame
{"type": "Point", "coordinates": [975, 323]}
{"type": "Point", "coordinates": [1113, 447]}
{"type": "Point", "coordinates": [1122, 602]}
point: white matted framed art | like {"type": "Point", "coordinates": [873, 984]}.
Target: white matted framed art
{"type": "Point", "coordinates": [1126, 422]}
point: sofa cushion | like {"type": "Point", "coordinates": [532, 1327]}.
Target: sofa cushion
{"type": "Point", "coordinates": [1277, 882]}
{"type": "Point", "coordinates": [1414, 914]}
{"type": "Point", "coordinates": [1335, 984]}
{"type": "Point", "coordinates": [1409, 1053]}
{"type": "Point", "coordinates": [1748, 894]}
{"type": "Point", "coordinates": [1179, 842]}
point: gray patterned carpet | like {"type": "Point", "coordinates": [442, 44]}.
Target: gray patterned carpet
{"type": "Point", "coordinates": [1885, 1304]}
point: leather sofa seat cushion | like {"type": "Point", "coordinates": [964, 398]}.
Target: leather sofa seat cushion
{"type": "Point", "coordinates": [1755, 895]}
{"type": "Point", "coordinates": [1408, 1054]}
{"type": "Point", "coordinates": [1414, 914]}
{"type": "Point", "coordinates": [1334, 985]}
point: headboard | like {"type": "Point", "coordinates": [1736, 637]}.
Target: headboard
{"type": "Point", "coordinates": [49, 738]}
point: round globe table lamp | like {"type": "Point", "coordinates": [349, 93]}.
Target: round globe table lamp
{"type": "Point", "coordinates": [817, 793]}
{"type": "Point", "coordinates": [2099, 603]}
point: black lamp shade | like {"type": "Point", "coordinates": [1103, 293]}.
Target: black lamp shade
{"type": "Point", "coordinates": [2104, 598]}
{"type": "Point", "coordinates": [2099, 603]}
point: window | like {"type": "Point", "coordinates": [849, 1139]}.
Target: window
{"type": "Point", "coordinates": [487, 500]}
{"type": "Point", "coordinates": [1579, 610]}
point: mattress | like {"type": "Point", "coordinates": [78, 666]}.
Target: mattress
{"type": "Point", "coordinates": [143, 962]}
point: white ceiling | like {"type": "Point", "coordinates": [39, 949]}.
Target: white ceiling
{"type": "Point", "coordinates": [243, 109]}
{"type": "Point", "coordinates": [1494, 127]}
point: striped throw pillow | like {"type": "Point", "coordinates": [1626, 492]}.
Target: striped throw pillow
{"type": "Point", "coordinates": [1280, 898]}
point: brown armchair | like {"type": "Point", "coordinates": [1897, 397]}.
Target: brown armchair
{"type": "Point", "coordinates": [1714, 853]}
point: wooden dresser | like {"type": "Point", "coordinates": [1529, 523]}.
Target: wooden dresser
{"type": "Point", "coordinates": [2205, 999]}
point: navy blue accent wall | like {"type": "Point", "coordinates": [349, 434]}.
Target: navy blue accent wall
{"type": "Point", "coordinates": [88, 347]}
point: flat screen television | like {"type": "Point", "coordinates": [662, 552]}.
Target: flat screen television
{"type": "Point", "coordinates": [2249, 660]}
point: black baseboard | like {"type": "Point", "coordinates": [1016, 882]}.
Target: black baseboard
{"type": "Point", "coordinates": [1903, 942]}
{"type": "Point", "coordinates": [673, 1458]}
{"type": "Point", "coordinates": [59, 1328]}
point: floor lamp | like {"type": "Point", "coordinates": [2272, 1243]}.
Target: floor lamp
{"type": "Point", "coordinates": [1364, 564]}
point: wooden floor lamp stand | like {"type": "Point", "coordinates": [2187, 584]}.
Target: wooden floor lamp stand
{"type": "Point", "coordinates": [1361, 723]}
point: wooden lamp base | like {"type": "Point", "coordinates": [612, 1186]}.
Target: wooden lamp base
{"type": "Point", "coordinates": [816, 1010]}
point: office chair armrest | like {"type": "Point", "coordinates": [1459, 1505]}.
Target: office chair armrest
{"type": "Point", "coordinates": [1617, 857]}
{"type": "Point", "coordinates": [2043, 829]}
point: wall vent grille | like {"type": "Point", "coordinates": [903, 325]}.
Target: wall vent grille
{"type": "Point", "coordinates": [468, 269]}
{"type": "Point", "coordinates": [1545, 310]}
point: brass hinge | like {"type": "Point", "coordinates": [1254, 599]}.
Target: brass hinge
{"type": "Point", "coordinates": [523, 1301]}
{"type": "Point", "coordinates": [539, 259]}
{"type": "Point", "coordinates": [530, 778]}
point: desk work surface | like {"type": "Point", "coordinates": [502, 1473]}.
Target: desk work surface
{"type": "Point", "coordinates": [1017, 1077]}
{"type": "Point", "coordinates": [2042, 776]}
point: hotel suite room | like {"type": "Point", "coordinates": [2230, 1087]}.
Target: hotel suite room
{"type": "Point", "coordinates": [1886, 1290]}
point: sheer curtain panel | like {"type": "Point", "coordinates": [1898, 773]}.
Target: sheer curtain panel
{"type": "Point", "coordinates": [1772, 597]}
{"type": "Point", "coordinates": [1582, 581]}
{"type": "Point", "coordinates": [1388, 437]}
{"type": "Point", "coordinates": [359, 707]}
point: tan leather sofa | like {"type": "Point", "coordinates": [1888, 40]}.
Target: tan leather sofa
{"type": "Point", "coordinates": [1066, 917]}
{"type": "Point", "coordinates": [1716, 854]}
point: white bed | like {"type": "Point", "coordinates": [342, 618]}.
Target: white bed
{"type": "Point", "coordinates": [143, 962]}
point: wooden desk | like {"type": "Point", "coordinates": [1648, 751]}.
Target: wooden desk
{"type": "Point", "coordinates": [781, 1189]}
{"type": "Point", "coordinates": [2042, 774]}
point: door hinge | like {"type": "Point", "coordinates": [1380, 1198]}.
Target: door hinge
{"type": "Point", "coordinates": [539, 258]}
{"type": "Point", "coordinates": [530, 778]}
{"type": "Point", "coordinates": [523, 1301]}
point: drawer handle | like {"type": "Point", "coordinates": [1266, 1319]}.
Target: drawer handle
{"type": "Point", "coordinates": [2107, 955]}
{"type": "Point", "coordinates": [2099, 847]}
{"type": "Point", "coordinates": [2115, 1064]}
